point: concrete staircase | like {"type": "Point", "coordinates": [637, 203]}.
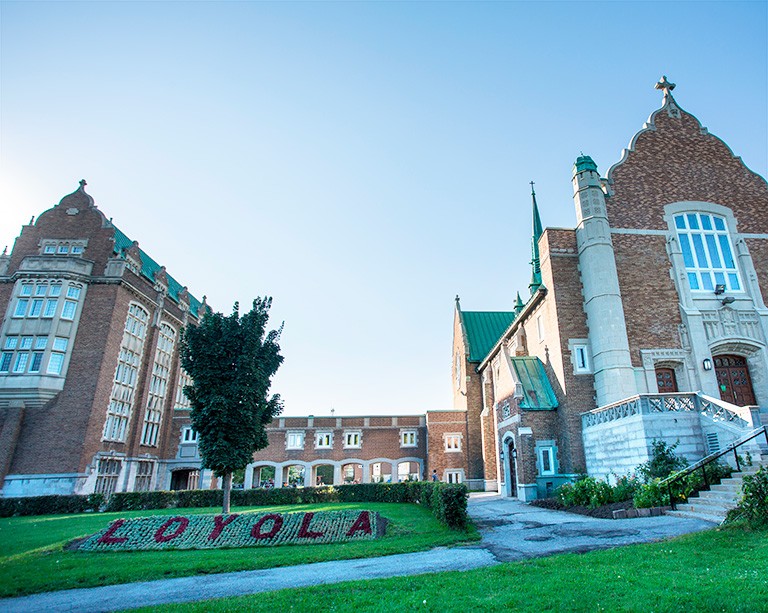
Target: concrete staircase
{"type": "Point", "coordinates": [713, 504]}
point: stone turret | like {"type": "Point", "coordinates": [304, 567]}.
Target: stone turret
{"type": "Point", "coordinates": [614, 376]}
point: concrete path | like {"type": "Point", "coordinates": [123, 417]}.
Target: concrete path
{"type": "Point", "coordinates": [511, 531]}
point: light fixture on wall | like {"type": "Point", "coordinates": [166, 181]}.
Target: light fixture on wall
{"type": "Point", "coordinates": [719, 289]}
{"type": "Point", "coordinates": [728, 300]}
{"type": "Point", "coordinates": [707, 364]}
{"type": "Point", "coordinates": [514, 453]}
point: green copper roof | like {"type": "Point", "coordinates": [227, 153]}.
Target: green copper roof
{"type": "Point", "coordinates": [483, 329]}
{"type": "Point", "coordinates": [584, 162]}
{"type": "Point", "coordinates": [538, 392]}
{"type": "Point", "coordinates": [149, 267]}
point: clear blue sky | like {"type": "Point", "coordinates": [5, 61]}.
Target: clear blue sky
{"type": "Point", "coordinates": [362, 163]}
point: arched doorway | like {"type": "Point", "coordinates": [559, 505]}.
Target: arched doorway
{"type": "Point", "coordinates": [733, 380]}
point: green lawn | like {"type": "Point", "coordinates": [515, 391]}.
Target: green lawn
{"type": "Point", "coordinates": [32, 559]}
{"type": "Point", "coordinates": [717, 570]}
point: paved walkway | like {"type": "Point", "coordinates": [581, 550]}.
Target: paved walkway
{"type": "Point", "coordinates": [511, 531]}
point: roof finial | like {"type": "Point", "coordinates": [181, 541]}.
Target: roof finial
{"type": "Point", "coordinates": [533, 193]}
{"type": "Point", "coordinates": [666, 86]}
{"type": "Point", "coordinates": [82, 184]}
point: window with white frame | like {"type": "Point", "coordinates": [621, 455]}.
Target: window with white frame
{"type": "Point", "coordinates": [126, 374]}
{"type": "Point", "coordinates": [323, 440]}
{"type": "Point", "coordinates": [294, 439]}
{"type": "Point", "coordinates": [62, 247]}
{"type": "Point", "coordinates": [107, 472]}
{"type": "Point", "coordinates": [182, 402]}
{"type": "Point", "coordinates": [581, 358]}
{"type": "Point", "coordinates": [26, 354]}
{"type": "Point", "coordinates": [409, 438]}
{"type": "Point", "coordinates": [188, 434]}
{"type": "Point", "coordinates": [454, 476]}
{"type": "Point", "coordinates": [458, 370]}
{"type": "Point", "coordinates": [38, 299]}
{"type": "Point", "coordinates": [353, 439]}
{"type": "Point", "coordinates": [452, 442]}
{"type": "Point", "coordinates": [707, 252]}
{"type": "Point", "coordinates": [540, 327]}
{"type": "Point", "coordinates": [143, 480]}
{"type": "Point", "coordinates": [158, 385]}
{"type": "Point", "coordinates": [58, 353]}
{"type": "Point", "coordinates": [546, 460]}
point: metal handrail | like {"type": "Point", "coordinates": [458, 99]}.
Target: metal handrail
{"type": "Point", "coordinates": [711, 458]}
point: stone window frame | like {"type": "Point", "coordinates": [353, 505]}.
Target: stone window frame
{"type": "Point", "coordinates": [188, 436]}
{"type": "Point", "coordinates": [454, 475]}
{"type": "Point", "coordinates": [324, 439]}
{"type": "Point", "coordinates": [581, 356]}
{"type": "Point", "coordinates": [710, 250]}
{"type": "Point", "coordinates": [548, 448]}
{"type": "Point", "coordinates": [58, 247]}
{"type": "Point", "coordinates": [158, 384]}
{"type": "Point", "coordinates": [353, 439]}
{"type": "Point", "coordinates": [409, 433]}
{"type": "Point", "coordinates": [452, 442]}
{"type": "Point", "coordinates": [742, 258]}
{"type": "Point", "coordinates": [120, 408]}
{"type": "Point", "coordinates": [298, 442]}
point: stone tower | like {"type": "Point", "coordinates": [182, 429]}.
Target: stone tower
{"type": "Point", "coordinates": [614, 376]}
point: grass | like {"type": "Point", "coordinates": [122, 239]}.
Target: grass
{"type": "Point", "coordinates": [32, 558]}
{"type": "Point", "coordinates": [716, 570]}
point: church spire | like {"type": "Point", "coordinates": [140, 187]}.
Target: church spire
{"type": "Point", "coordinates": [537, 232]}
{"type": "Point", "coordinates": [519, 306]}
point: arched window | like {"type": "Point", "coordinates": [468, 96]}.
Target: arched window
{"type": "Point", "coordinates": [126, 374]}
{"type": "Point", "coordinates": [707, 252]}
{"type": "Point", "coordinates": [158, 385]}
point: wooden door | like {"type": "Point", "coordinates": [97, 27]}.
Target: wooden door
{"type": "Point", "coordinates": [666, 380]}
{"type": "Point", "coordinates": [733, 380]}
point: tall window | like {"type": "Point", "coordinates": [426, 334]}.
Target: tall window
{"type": "Point", "coordinates": [126, 374]}
{"type": "Point", "coordinates": [707, 252]}
{"type": "Point", "coordinates": [143, 480]}
{"type": "Point", "coordinates": [182, 402]}
{"type": "Point", "coordinates": [38, 299]}
{"type": "Point", "coordinates": [106, 476]}
{"type": "Point", "coordinates": [158, 385]}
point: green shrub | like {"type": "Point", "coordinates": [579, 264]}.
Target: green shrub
{"type": "Point", "coordinates": [625, 489]}
{"type": "Point", "coordinates": [586, 492]}
{"type": "Point", "coordinates": [651, 494]}
{"type": "Point", "coordinates": [49, 505]}
{"type": "Point", "coordinates": [753, 506]}
{"type": "Point", "coordinates": [663, 462]}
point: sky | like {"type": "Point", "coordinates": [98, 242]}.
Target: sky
{"type": "Point", "coordinates": [361, 162]}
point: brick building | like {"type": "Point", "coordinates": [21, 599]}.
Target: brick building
{"type": "Point", "coordinates": [89, 369]}
{"type": "Point", "coordinates": [646, 321]}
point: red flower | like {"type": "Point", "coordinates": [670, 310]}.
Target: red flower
{"type": "Point", "coordinates": [161, 537]}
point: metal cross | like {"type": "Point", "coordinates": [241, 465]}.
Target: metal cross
{"type": "Point", "coordinates": [532, 191]}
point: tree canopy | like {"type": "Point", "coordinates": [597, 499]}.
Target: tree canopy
{"type": "Point", "coordinates": [231, 361]}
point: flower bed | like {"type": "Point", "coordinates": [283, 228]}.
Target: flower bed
{"type": "Point", "coordinates": [235, 530]}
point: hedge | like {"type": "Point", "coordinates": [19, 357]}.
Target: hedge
{"type": "Point", "coordinates": [50, 505]}
{"type": "Point", "coordinates": [447, 501]}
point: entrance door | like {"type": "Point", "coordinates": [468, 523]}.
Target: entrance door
{"type": "Point", "coordinates": [733, 380]}
{"type": "Point", "coordinates": [512, 488]}
{"type": "Point", "coordinates": [665, 380]}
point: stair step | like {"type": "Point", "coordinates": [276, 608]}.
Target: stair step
{"type": "Point", "coordinates": [719, 496]}
{"type": "Point", "coordinates": [708, 503]}
{"type": "Point", "coordinates": [717, 519]}
{"type": "Point", "coordinates": [734, 488]}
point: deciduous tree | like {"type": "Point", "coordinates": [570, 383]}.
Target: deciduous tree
{"type": "Point", "coordinates": [231, 361]}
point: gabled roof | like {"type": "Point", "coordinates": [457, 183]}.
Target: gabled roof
{"type": "Point", "coordinates": [149, 268]}
{"type": "Point", "coordinates": [537, 390]}
{"type": "Point", "coordinates": [483, 329]}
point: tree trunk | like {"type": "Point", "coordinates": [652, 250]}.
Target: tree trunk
{"type": "Point", "coordinates": [227, 487]}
